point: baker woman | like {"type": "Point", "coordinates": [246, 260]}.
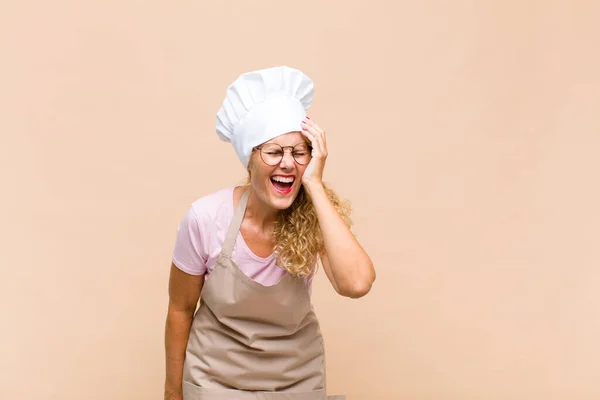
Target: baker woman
{"type": "Point", "coordinates": [249, 252]}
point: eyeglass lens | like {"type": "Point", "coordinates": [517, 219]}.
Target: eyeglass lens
{"type": "Point", "coordinates": [273, 153]}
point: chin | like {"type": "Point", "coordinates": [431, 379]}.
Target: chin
{"type": "Point", "coordinates": [281, 204]}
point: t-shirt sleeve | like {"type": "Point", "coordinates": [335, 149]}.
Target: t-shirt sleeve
{"type": "Point", "coordinates": [189, 254]}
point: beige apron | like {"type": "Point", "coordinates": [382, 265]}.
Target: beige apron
{"type": "Point", "coordinates": [253, 342]}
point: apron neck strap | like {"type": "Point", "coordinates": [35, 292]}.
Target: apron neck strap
{"type": "Point", "coordinates": [234, 227]}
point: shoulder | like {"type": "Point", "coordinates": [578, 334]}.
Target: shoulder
{"type": "Point", "coordinates": [213, 206]}
{"type": "Point", "coordinates": [200, 231]}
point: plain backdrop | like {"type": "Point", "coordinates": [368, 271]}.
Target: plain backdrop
{"type": "Point", "coordinates": [465, 134]}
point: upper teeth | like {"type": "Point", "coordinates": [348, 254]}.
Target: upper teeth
{"type": "Point", "coordinates": [283, 180]}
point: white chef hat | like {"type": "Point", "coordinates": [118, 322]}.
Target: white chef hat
{"type": "Point", "coordinates": [261, 105]}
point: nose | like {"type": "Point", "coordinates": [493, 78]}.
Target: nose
{"type": "Point", "coordinates": [287, 161]}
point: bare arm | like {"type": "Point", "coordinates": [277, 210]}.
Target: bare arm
{"type": "Point", "coordinates": [184, 292]}
{"type": "Point", "coordinates": [347, 266]}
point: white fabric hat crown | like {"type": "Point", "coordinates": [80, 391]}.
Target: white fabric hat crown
{"type": "Point", "coordinates": [261, 105]}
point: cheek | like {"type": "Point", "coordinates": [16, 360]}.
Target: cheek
{"type": "Point", "coordinates": [260, 175]}
{"type": "Point", "coordinates": [301, 169]}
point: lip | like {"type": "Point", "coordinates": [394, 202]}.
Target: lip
{"type": "Point", "coordinates": [283, 176]}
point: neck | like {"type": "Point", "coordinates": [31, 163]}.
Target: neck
{"type": "Point", "coordinates": [261, 215]}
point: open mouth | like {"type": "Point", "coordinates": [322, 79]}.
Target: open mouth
{"type": "Point", "coordinates": [282, 184]}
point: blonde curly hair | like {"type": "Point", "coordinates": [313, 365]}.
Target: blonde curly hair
{"type": "Point", "coordinates": [298, 238]}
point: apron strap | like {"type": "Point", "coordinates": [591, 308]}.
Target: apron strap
{"type": "Point", "coordinates": [234, 226]}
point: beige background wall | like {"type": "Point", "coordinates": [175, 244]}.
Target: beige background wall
{"type": "Point", "coordinates": [465, 134]}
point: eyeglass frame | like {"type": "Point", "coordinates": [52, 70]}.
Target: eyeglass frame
{"type": "Point", "coordinates": [283, 150]}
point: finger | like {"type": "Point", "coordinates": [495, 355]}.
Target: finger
{"type": "Point", "coordinates": [314, 125]}
{"type": "Point", "coordinates": [311, 136]}
{"type": "Point", "coordinates": [313, 140]}
{"type": "Point", "coordinates": [317, 140]}
{"type": "Point", "coordinates": [317, 129]}
{"type": "Point", "coordinates": [310, 130]}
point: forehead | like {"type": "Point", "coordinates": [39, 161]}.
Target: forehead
{"type": "Point", "coordinates": [288, 139]}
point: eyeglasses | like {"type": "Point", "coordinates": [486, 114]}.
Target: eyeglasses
{"type": "Point", "coordinates": [272, 153]}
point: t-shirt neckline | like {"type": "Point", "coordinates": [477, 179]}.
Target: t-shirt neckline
{"type": "Point", "coordinates": [241, 237]}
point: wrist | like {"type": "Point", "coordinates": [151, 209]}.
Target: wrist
{"type": "Point", "coordinates": [313, 188]}
{"type": "Point", "coordinates": [173, 390]}
{"type": "Point", "coordinates": [173, 394]}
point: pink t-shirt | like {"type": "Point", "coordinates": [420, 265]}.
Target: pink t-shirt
{"type": "Point", "coordinates": [201, 235]}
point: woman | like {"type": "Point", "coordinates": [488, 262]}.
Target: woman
{"type": "Point", "coordinates": [250, 253]}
